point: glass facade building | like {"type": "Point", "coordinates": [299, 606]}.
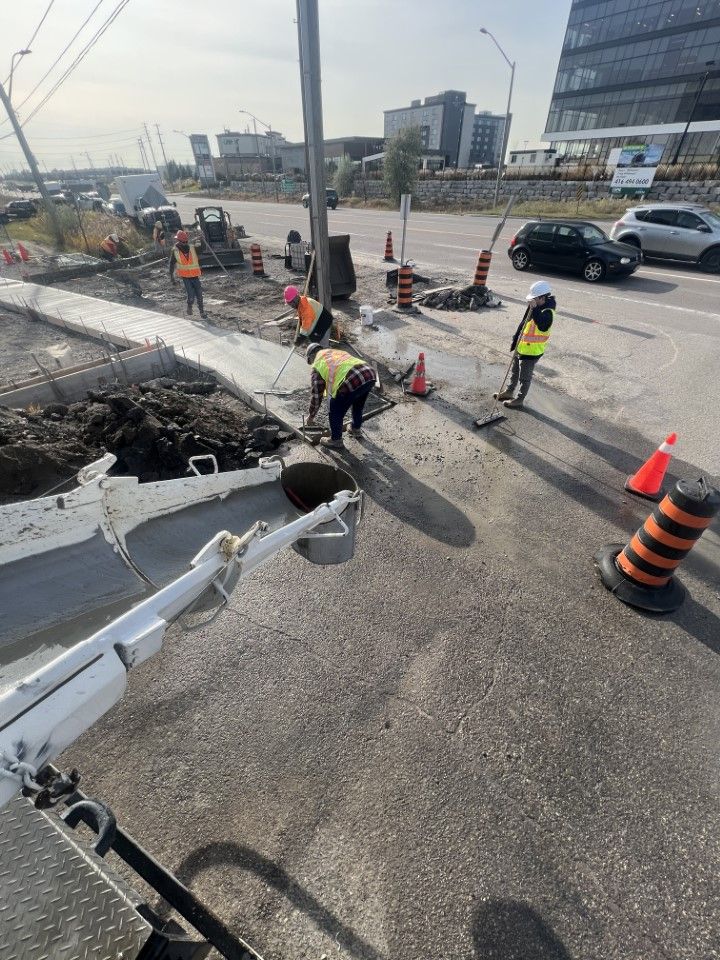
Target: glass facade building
{"type": "Point", "coordinates": [631, 70]}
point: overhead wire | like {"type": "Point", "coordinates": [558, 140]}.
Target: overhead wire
{"type": "Point", "coordinates": [37, 30]}
{"type": "Point", "coordinates": [59, 57]}
{"type": "Point", "coordinates": [78, 60]}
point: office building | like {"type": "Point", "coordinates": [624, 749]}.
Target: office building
{"type": "Point", "coordinates": [446, 125]}
{"type": "Point", "coordinates": [487, 137]}
{"type": "Point", "coordinates": [293, 154]}
{"type": "Point", "coordinates": [635, 71]}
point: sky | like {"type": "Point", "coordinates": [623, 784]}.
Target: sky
{"type": "Point", "coordinates": [192, 66]}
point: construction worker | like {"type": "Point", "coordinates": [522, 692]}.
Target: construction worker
{"type": "Point", "coordinates": [347, 381]}
{"type": "Point", "coordinates": [159, 236]}
{"type": "Point", "coordinates": [184, 260]}
{"type": "Point", "coordinates": [315, 320]}
{"type": "Point", "coordinates": [110, 247]}
{"type": "Point", "coordinates": [529, 342]}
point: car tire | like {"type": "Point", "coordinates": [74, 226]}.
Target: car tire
{"type": "Point", "coordinates": [594, 270]}
{"type": "Point", "coordinates": [520, 260]}
{"type": "Point", "coordinates": [710, 261]}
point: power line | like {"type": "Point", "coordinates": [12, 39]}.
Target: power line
{"type": "Point", "coordinates": [93, 136]}
{"type": "Point", "coordinates": [37, 30]}
{"type": "Point", "coordinates": [78, 60]}
{"type": "Point", "coordinates": [60, 55]}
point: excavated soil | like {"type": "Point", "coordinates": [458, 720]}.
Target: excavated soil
{"type": "Point", "coordinates": [153, 429]}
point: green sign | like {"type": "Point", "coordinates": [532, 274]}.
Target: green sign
{"type": "Point", "coordinates": [288, 186]}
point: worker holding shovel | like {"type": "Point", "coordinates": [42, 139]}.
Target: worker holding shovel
{"type": "Point", "coordinates": [529, 343]}
{"type": "Point", "coordinates": [347, 382]}
{"type": "Point", "coordinates": [314, 320]}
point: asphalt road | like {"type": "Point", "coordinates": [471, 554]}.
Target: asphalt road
{"type": "Point", "coordinates": [460, 745]}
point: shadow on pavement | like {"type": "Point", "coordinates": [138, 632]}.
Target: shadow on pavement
{"type": "Point", "coordinates": [698, 622]}
{"type": "Point", "coordinates": [637, 283]}
{"type": "Point", "coordinates": [511, 930]}
{"type": "Point", "coordinates": [239, 858]}
{"type": "Point", "coordinates": [407, 498]}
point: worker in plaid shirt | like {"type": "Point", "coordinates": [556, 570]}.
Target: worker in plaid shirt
{"type": "Point", "coordinates": [347, 381]}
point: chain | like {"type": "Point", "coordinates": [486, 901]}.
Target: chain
{"type": "Point", "coordinates": [23, 774]}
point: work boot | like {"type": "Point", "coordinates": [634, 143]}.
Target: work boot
{"type": "Point", "coordinates": [332, 444]}
{"type": "Point", "coordinates": [505, 395]}
{"type": "Point", "coordinates": [356, 432]}
{"type": "Point", "coordinates": [203, 316]}
{"type": "Point", "coordinates": [189, 310]}
{"type": "Point", "coordinates": [515, 404]}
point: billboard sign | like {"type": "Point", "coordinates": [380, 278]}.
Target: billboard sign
{"type": "Point", "coordinates": [635, 170]}
{"type": "Point", "coordinates": [201, 152]}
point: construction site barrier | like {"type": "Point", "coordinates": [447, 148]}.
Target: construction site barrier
{"type": "Point", "coordinates": [482, 268]}
{"type": "Point", "coordinates": [641, 572]}
{"type": "Point", "coordinates": [389, 247]}
{"type": "Point", "coordinates": [404, 291]}
{"type": "Point", "coordinates": [257, 261]}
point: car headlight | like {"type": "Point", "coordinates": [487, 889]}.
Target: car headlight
{"type": "Point", "coordinates": [624, 259]}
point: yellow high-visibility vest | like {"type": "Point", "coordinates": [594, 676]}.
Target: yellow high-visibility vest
{"type": "Point", "coordinates": [532, 341]}
{"type": "Point", "coordinates": [334, 366]}
{"type": "Point", "coordinates": [187, 266]}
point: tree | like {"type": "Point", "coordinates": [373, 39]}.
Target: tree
{"type": "Point", "coordinates": [345, 177]}
{"type": "Point", "coordinates": [400, 166]}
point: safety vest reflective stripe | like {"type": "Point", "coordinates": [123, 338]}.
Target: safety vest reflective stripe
{"type": "Point", "coordinates": [532, 341]}
{"type": "Point", "coordinates": [187, 266]}
{"type": "Point", "coordinates": [309, 311]}
{"type": "Point", "coordinates": [334, 366]}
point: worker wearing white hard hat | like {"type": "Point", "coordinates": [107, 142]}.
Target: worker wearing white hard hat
{"type": "Point", "coordinates": [529, 342]}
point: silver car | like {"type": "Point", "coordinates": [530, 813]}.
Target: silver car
{"type": "Point", "coordinates": [686, 232]}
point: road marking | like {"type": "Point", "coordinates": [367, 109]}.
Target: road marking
{"type": "Point", "coordinates": [662, 306]}
{"type": "Point", "coordinates": [679, 276]}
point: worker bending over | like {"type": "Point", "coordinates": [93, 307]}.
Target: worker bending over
{"type": "Point", "coordinates": [184, 261]}
{"type": "Point", "coordinates": [314, 319]}
{"type": "Point", "coordinates": [529, 342]}
{"type": "Point", "coordinates": [112, 247]}
{"type": "Point", "coordinates": [347, 381]}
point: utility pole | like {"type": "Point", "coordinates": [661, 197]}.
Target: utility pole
{"type": "Point", "coordinates": [92, 165]}
{"type": "Point", "coordinates": [152, 152]}
{"type": "Point", "coordinates": [309, 42]}
{"type": "Point", "coordinates": [162, 147]}
{"type": "Point", "coordinates": [31, 162]}
{"type": "Point", "coordinates": [142, 153]}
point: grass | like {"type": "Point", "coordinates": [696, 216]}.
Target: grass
{"type": "Point", "coordinates": [96, 225]}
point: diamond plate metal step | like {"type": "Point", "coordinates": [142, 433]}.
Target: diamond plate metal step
{"type": "Point", "coordinates": [58, 899]}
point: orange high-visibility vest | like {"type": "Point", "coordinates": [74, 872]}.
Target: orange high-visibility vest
{"type": "Point", "coordinates": [187, 266]}
{"type": "Point", "coordinates": [309, 311]}
{"type": "Point", "coordinates": [109, 246]}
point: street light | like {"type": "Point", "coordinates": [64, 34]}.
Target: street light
{"type": "Point", "coordinates": [267, 127]}
{"type": "Point", "coordinates": [18, 53]}
{"type": "Point", "coordinates": [708, 63]}
{"type": "Point", "coordinates": [506, 130]}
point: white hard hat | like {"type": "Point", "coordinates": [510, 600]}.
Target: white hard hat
{"type": "Point", "coordinates": [539, 289]}
{"type": "Point", "coordinates": [114, 237]}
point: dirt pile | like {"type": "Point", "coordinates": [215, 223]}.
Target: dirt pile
{"type": "Point", "coordinates": [152, 429]}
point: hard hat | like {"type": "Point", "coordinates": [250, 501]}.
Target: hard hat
{"type": "Point", "coordinates": [290, 294]}
{"type": "Point", "coordinates": [311, 351]}
{"type": "Point", "coordinates": [182, 236]}
{"type": "Point", "coordinates": [158, 223]}
{"type": "Point", "coordinates": [115, 238]}
{"type": "Point", "coordinates": [539, 289]}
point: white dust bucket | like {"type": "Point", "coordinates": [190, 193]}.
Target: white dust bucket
{"type": "Point", "coordinates": [367, 315]}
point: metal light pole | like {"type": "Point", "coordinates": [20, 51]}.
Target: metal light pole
{"type": "Point", "coordinates": [32, 164]}
{"type": "Point", "coordinates": [708, 63]}
{"type": "Point", "coordinates": [309, 41]}
{"type": "Point", "coordinates": [506, 130]}
{"type": "Point", "coordinates": [18, 53]}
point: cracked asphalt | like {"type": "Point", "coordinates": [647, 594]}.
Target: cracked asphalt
{"type": "Point", "coordinates": [458, 744]}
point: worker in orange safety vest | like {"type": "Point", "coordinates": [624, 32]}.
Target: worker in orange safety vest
{"type": "Point", "coordinates": [314, 319]}
{"type": "Point", "coordinates": [112, 247]}
{"type": "Point", "coordinates": [184, 261]}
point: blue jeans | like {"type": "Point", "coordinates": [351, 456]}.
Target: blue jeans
{"type": "Point", "coordinates": [193, 291]}
{"type": "Point", "coordinates": [340, 405]}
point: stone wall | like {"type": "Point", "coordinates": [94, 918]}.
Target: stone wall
{"type": "Point", "coordinates": [469, 192]}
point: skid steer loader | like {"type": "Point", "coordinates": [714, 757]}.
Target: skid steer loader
{"type": "Point", "coordinates": [221, 243]}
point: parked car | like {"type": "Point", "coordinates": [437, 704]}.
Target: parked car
{"type": "Point", "coordinates": [20, 209]}
{"type": "Point", "coordinates": [572, 245]}
{"type": "Point", "coordinates": [115, 207]}
{"type": "Point", "coordinates": [331, 196]}
{"type": "Point", "coordinates": [90, 201]}
{"type": "Point", "coordinates": [687, 232]}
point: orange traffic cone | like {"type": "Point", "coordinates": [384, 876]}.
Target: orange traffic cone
{"type": "Point", "coordinates": [24, 255]}
{"type": "Point", "coordinates": [419, 386]}
{"type": "Point", "coordinates": [7, 256]}
{"type": "Point", "coordinates": [648, 480]}
{"type": "Point", "coordinates": [389, 247]}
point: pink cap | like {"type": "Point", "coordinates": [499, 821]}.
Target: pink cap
{"type": "Point", "coordinates": [290, 294]}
